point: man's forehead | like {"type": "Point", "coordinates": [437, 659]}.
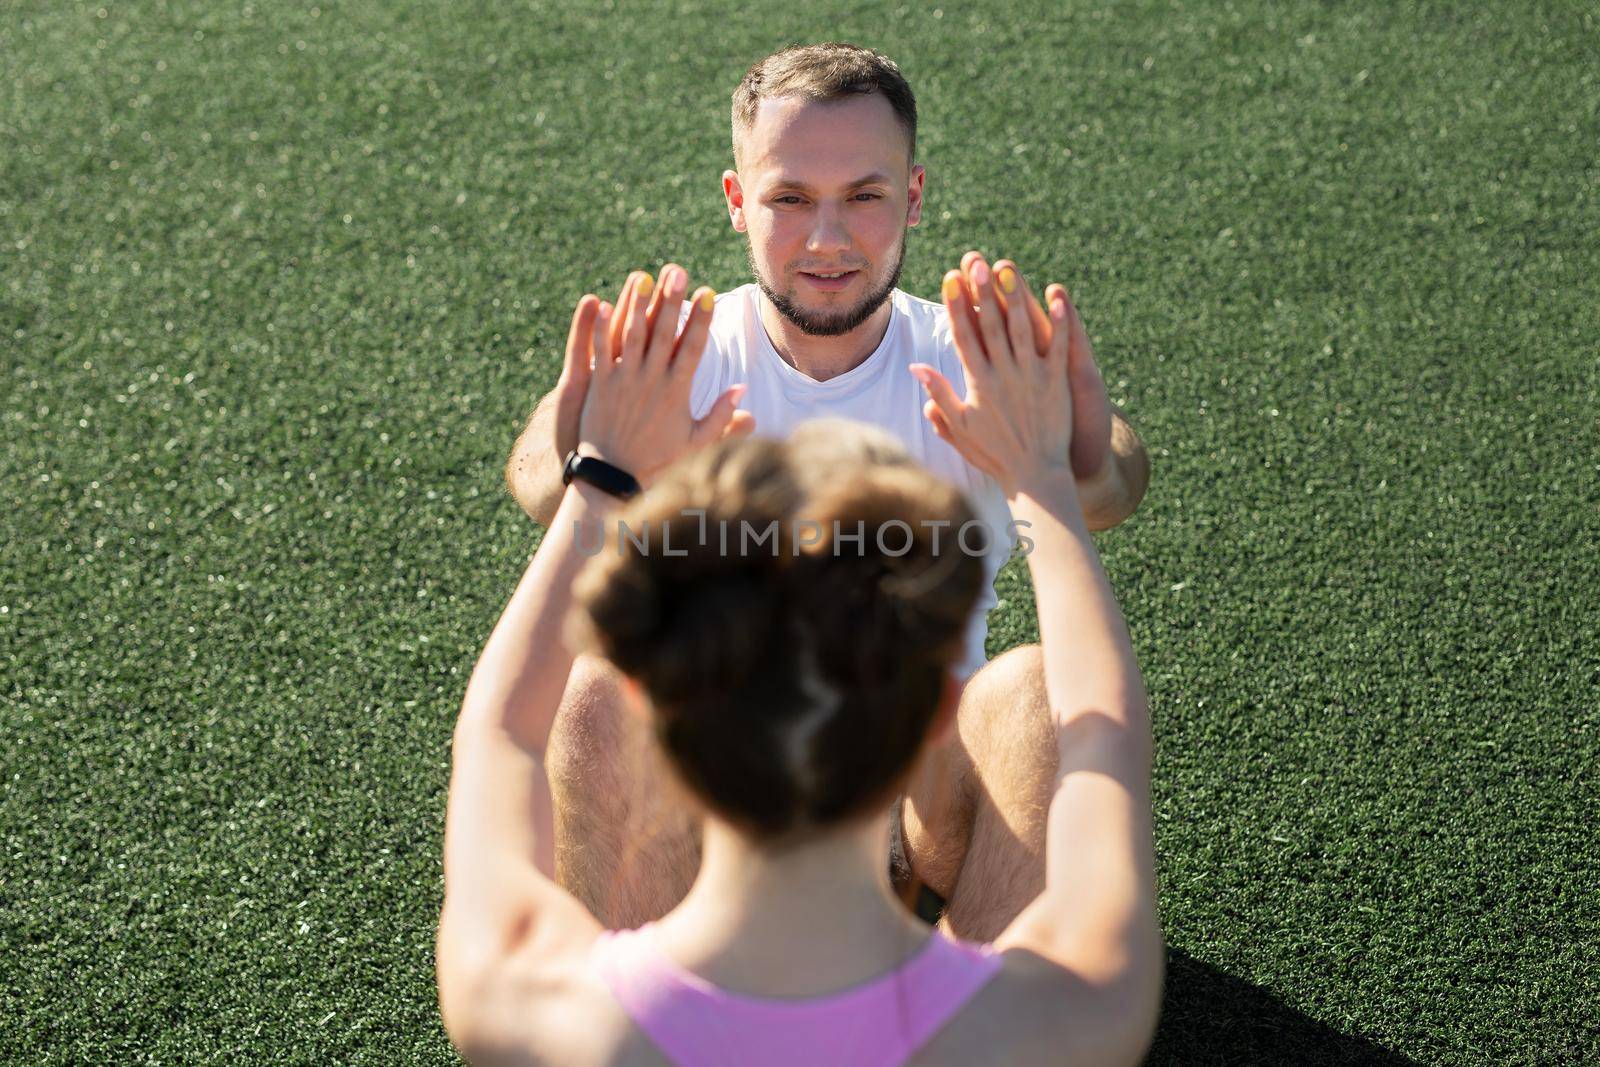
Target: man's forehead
{"type": "Point", "coordinates": [824, 142]}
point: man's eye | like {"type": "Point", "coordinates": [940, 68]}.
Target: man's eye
{"type": "Point", "coordinates": [787, 199]}
{"type": "Point", "coordinates": [869, 196]}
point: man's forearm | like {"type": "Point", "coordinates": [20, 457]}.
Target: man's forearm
{"type": "Point", "coordinates": [533, 473]}
{"type": "Point", "coordinates": [1116, 492]}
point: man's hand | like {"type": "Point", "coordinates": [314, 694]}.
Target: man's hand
{"type": "Point", "coordinates": [629, 377]}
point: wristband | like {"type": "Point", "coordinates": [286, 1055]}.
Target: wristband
{"type": "Point", "coordinates": [600, 474]}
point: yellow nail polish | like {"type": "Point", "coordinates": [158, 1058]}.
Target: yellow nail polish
{"type": "Point", "coordinates": [952, 287]}
{"type": "Point", "coordinates": [646, 285]}
{"type": "Point", "coordinates": [708, 301]}
{"type": "Point", "coordinates": [1008, 279]}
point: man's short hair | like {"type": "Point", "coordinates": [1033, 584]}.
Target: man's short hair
{"type": "Point", "coordinates": [832, 71]}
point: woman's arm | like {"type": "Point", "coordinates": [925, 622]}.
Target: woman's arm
{"type": "Point", "coordinates": [499, 839]}
{"type": "Point", "coordinates": [1097, 913]}
{"type": "Point", "coordinates": [500, 815]}
{"type": "Point", "coordinates": [1096, 917]}
{"type": "Point", "coordinates": [499, 857]}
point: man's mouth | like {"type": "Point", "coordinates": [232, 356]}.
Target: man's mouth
{"type": "Point", "coordinates": [830, 281]}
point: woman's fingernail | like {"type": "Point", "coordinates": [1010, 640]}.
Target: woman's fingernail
{"type": "Point", "coordinates": [646, 285]}
{"type": "Point", "coordinates": [708, 300]}
{"type": "Point", "coordinates": [980, 273]}
{"type": "Point", "coordinates": [1008, 279]}
{"type": "Point", "coordinates": [952, 286]}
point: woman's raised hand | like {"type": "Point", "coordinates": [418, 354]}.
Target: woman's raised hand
{"type": "Point", "coordinates": [1016, 421]}
{"type": "Point", "coordinates": [633, 370]}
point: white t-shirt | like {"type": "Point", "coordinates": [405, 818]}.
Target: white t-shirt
{"type": "Point", "coordinates": [880, 391]}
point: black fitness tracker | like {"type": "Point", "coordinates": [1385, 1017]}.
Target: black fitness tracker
{"type": "Point", "coordinates": [600, 474]}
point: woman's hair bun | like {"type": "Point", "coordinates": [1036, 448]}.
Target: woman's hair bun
{"type": "Point", "coordinates": [791, 609]}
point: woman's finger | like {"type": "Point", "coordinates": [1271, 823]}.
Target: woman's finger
{"type": "Point", "coordinates": [931, 412]}
{"type": "Point", "coordinates": [665, 311]}
{"type": "Point", "coordinates": [692, 341]}
{"type": "Point", "coordinates": [940, 392]}
{"type": "Point", "coordinates": [742, 424]}
{"type": "Point", "coordinates": [1019, 331]}
{"type": "Point", "coordinates": [991, 326]}
{"type": "Point", "coordinates": [963, 327]}
{"type": "Point", "coordinates": [967, 261]}
{"type": "Point", "coordinates": [1055, 297]}
{"type": "Point", "coordinates": [1039, 319]}
{"type": "Point", "coordinates": [634, 333]}
{"type": "Point", "coordinates": [600, 339]}
{"type": "Point", "coordinates": [619, 317]}
{"type": "Point", "coordinates": [719, 418]}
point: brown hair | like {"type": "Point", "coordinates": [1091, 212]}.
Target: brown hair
{"type": "Point", "coordinates": [791, 684]}
{"type": "Point", "coordinates": [832, 71]}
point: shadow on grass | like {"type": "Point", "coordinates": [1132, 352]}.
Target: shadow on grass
{"type": "Point", "coordinates": [1211, 1017]}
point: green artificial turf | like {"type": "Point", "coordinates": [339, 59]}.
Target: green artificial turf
{"type": "Point", "coordinates": [278, 285]}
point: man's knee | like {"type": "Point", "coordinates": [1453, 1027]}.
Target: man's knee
{"type": "Point", "coordinates": [1006, 698]}
{"type": "Point", "coordinates": [627, 843]}
{"type": "Point", "coordinates": [1006, 727]}
{"type": "Point", "coordinates": [1021, 666]}
{"type": "Point", "coordinates": [1001, 750]}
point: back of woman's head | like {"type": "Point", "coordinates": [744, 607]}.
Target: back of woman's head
{"type": "Point", "coordinates": [791, 610]}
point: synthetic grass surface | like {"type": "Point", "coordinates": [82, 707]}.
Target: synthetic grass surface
{"type": "Point", "coordinates": [278, 284]}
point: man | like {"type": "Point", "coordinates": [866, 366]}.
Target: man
{"type": "Point", "coordinates": [826, 187]}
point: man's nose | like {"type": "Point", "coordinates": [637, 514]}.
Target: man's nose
{"type": "Point", "coordinates": [828, 235]}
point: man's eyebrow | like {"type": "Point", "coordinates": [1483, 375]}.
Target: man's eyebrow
{"type": "Point", "coordinates": [875, 178]}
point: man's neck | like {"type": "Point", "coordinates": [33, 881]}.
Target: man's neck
{"type": "Point", "coordinates": [821, 358]}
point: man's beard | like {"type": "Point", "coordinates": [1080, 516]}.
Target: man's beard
{"type": "Point", "coordinates": [830, 323]}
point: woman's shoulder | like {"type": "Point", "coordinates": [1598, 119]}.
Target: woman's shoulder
{"type": "Point", "coordinates": [547, 1004]}
{"type": "Point", "coordinates": [1033, 1011]}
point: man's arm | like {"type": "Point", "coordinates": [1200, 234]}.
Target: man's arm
{"type": "Point", "coordinates": [1116, 492]}
{"type": "Point", "coordinates": [533, 473]}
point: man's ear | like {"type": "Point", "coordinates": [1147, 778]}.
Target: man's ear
{"type": "Point", "coordinates": [735, 196]}
{"type": "Point", "coordinates": [914, 195]}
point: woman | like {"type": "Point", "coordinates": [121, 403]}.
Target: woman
{"type": "Point", "coordinates": [787, 620]}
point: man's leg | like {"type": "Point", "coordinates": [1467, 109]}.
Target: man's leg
{"type": "Point", "coordinates": [627, 840]}
{"type": "Point", "coordinates": [975, 816]}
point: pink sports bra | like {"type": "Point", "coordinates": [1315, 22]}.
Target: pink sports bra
{"type": "Point", "coordinates": [880, 1023]}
